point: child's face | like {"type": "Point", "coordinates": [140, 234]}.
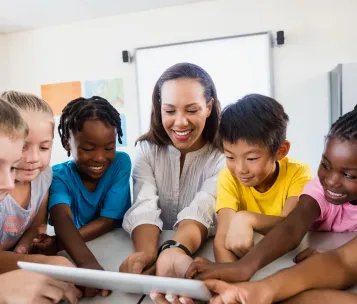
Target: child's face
{"type": "Point", "coordinates": [37, 150]}
{"type": "Point", "coordinates": [251, 164]}
{"type": "Point", "coordinates": [10, 156]}
{"type": "Point", "coordinates": [338, 171]}
{"type": "Point", "coordinates": [184, 112]}
{"type": "Point", "coordinates": [93, 148]}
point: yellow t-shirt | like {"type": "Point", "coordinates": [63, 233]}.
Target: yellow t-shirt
{"type": "Point", "coordinates": [293, 175]}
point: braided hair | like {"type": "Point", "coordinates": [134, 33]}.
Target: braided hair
{"type": "Point", "coordinates": [345, 128]}
{"type": "Point", "coordinates": [81, 109]}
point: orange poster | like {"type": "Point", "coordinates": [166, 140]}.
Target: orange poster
{"type": "Point", "coordinates": [57, 95]}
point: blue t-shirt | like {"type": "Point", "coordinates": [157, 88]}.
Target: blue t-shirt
{"type": "Point", "coordinates": [111, 197]}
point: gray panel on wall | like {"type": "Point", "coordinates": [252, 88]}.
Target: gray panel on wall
{"type": "Point", "coordinates": [349, 87]}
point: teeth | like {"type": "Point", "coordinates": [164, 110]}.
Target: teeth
{"type": "Point", "coordinates": [334, 194]}
{"type": "Point", "coordinates": [96, 168]}
{"type": "Point", "coordinates": [182, 133]}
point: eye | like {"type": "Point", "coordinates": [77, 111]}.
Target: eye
{"type": "Point", "coordinates": [347, 176]}
{"type": "Point", "coordinates": [170, 112]}
{"type": "Point", "coordinates": [325, 166]}
{"type": "Point", "coordinates": [229, 157]}
{"type": "Point", "coordinates": [87, 150]}
{"type": "Point", "coordinates": [192, 111]}
{"type": "Point", "coordinates": [110, 148]}
{"type": "Point", "coordinates": [12, 169]}
{"type": "Point", "coordinates": [252, 158]}
{"type": "Point", "coordinates": [44, 148]}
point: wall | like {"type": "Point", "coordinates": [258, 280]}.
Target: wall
{"type": "Point", "coordinates": [318, 36]}
{"type": "Point", "coordinates": [3, 62]}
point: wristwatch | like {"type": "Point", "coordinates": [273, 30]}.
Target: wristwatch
{"type": "Point", "coordinates": [171, 244]}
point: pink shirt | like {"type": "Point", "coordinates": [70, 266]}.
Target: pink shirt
{"type": "Point", "coordinates": [335, 218]}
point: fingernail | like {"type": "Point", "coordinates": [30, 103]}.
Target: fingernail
{"type": "Point", "coordinates": [153, 296]}
{"type": "Point", "coordinates": [183, 301]}
{"type": "Point", "coordinates": [170, 298]}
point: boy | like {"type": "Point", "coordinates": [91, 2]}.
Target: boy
{"type": "Point", "coordinates": [260, 185]}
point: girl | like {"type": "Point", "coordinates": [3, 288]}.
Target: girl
{"type": "Point", "coordinates": [175, 173]}
{"type": "Point", "coordinates": [89, 195]}
{"type": "Point", "coordinates": [328, 203]}
{"type": "Point", "coordinates": [21, 286]}
{"type": "Point", "coordinates": [24, 209]}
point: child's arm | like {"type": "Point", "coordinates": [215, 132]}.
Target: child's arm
{"type": "Point", "coordinates": [335, 269]}
{"type": "Point", "coordinates": [221, 253]}
{"type": "Point", "coordinates": [9, 259]}
{"type": "Point", "coordinates": [282, 238]}
{"type": "Point", "coordinates": [38, 226]}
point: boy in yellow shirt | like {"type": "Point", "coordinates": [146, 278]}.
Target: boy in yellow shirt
{"type": "Point", "coordinates": [260, 185]}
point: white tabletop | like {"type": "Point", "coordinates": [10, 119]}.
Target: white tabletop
{"type": "Point", "coordinates": [112, 249]}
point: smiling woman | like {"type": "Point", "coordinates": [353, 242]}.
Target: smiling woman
{"type": "Point", "coordinates": [175, 173]}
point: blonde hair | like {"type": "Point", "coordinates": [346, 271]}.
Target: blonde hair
{"type": "Point", "coordinates": [27, 102]}
{"type": "Point", "coordinates": [11, 122]}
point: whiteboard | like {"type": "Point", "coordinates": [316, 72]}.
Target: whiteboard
{"type": "Point", "coordinates": [238, 65]}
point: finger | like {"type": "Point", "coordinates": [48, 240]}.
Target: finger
{"type": "Point", "coordinates": [124, 267]}
{"type": "Point", "coordinates": [137, 266]}
{"type": "Point", "coordinates": [105, 292]}
{"type": "Point", "coordinates": [158, 298]}
{"type": "Point", "coordinates": [90, 292]}
{"type": "Point", "coordinates": [72, 294]}
{"type": "Point", "coordinates": [185, 300]}
{"type": "Point", "coordinates": [217, 286]}
{"type": "Point", "coordinates": [22, 249]}
{"type": "Point", "coordinates": [53, 293]}
{"type": "Point", "coordinates": [150, 270]}
{"type": "Point", "coordinates": [303, 255]}
{"type": "Point", "coordinates": [39, 238]}
{"type": "Point", "coordinates": [216, 300]}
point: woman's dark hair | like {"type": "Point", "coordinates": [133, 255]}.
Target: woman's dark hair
{"type": "Point", "coordinates": [157, 134]}
{"type": "Point", "coordinates": [77, 111]}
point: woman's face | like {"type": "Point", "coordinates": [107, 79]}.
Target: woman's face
{"type": "Point", "coordinates": [184, 112]}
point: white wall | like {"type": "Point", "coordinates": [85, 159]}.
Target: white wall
{"type": "Point", "coordinates": [3, 62]}
{"type": "Point", "coordinates": [319, 34]}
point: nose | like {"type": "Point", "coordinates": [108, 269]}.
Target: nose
{"type": "Point", "coordinates": [31, 155]}
{"type": "Point", "coordinates": [99, 156]}
{"type": "Point", "coordinates": [332, 180]}
{"type": "Point", "coordinates": [7, 181]}
{"type": "Point", "coordinates": [181, 120]}
{"type": "Point", "coordinates": [241, 168]}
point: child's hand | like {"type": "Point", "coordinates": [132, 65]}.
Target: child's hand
{"type": "Point", "coordinates": [139, 262]}
{"type": "Point", "coordinates": [22, 286]}
{"type": "Point", "coordinates": [203, 269]}
{"type": "Point", "coordinates": [92, 292]}
{"type": "Point", "coordinates": [162, 299]}
{"type": "Point", "coordinates": [307, 253]}
{"type": "Point", "coordinates": [22, 249]}
{"type": "Point", "coordinates": [45, 244]}
{"type": "Point", "coordinates": [244, 293]}
{"type": "Point", "coordinates": [173, 262]}
{"type": "Point", "coordinates": [55, 260]}
{"type": "Point", "coordinates": [240, 235]}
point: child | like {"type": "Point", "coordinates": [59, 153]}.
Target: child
{"type": "Point", "coordinates": [260, 185]}
{"type": "Point", "coordinates": [328, 203]}
{"type": "Point", "coordinates": [24, 206]}
{"type": "Point", "coordinates": [89, 195]}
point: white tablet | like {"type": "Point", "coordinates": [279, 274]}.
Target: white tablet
{"type": "Point", "coordinates": [132, 283]}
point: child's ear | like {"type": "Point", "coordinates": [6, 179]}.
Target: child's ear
{"type": "Point", "coordinates": [283, 150]}
{"type": "Point", "coordinates": [209, 107]}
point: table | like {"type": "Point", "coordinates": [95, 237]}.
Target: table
{"type": "Point", "coordinates": [113, 248]}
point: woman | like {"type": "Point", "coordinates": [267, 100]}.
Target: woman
{"type": "Point", "coordinates": [175, 173]}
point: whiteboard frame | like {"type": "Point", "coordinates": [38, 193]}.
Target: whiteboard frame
{"type": "Point", "coordinates": [270, 47]}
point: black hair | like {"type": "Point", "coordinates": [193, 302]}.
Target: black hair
{"type": "Point", "coordinates": [256, 119]}
{"type": "Point", "coordinates": [157, 134]}
{"type": "Point", "coordinates": [77, 111]}
{"type": "Point", "coordinates": [345, 128]}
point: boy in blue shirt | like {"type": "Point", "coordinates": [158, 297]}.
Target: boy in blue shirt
{"type": "Point", "coordinates": [89, 195]}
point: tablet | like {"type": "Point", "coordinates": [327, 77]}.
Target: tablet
{"type": "Point", "coordinates": [127, 282]}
